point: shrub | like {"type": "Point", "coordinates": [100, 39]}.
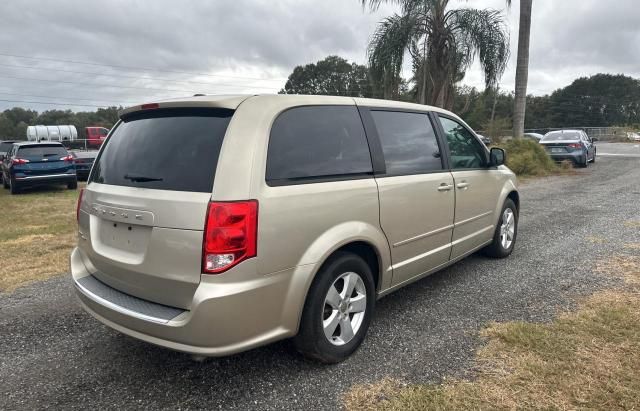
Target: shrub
{"type": "Point", "coordinates": [528, 158]}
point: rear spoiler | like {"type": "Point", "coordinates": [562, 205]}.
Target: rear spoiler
{"type": "Point", "coordinates": [198, 101]}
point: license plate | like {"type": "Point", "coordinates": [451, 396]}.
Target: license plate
{"type": "Point", "coordinates": [129, 237]}
{"type": "Point", "coordinates": [557, 150]}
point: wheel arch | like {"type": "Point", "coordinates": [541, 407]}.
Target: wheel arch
{"type": "Point", "coordinates": [372, 248]}
{"type": "Point", "coordinates": [515, 197]}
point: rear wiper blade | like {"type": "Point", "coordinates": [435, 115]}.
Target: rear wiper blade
{"type": "Point", "coordinates": [141, 179]}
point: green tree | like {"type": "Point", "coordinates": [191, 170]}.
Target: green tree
{"type": "Point", "coordinates": [442, 43]}
{"type": "Point", "coordinates": [597, 101]}
{"type": "Point", "coordinates": [330, 76]}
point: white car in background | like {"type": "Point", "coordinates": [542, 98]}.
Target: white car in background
{"type": "Point", "coordinates": [633, 136]}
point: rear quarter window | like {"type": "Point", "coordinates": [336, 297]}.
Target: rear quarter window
{"type": "Point", "coordinates": [167, 149]}
{"type": "Point", "coordinates": [317, 143]}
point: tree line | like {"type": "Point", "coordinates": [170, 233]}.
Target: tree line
{"type": "Point", "coordinates": [14, 121]}
{"type": "Point", "coordinates": [601, 100]}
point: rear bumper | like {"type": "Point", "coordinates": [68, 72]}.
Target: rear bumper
{"type": "Point", "coordinates": [46, 179]}
{"type": "Point", "coordinates": [577, 158]}
{"type": "Point", "coordinates": [224, 318]}
{"type": "Point", "coordinates": [83, 172]}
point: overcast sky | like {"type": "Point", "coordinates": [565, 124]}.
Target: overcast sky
{"type": "Point", "coordinates": [146, 50]}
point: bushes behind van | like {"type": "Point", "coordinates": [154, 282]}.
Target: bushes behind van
{"type": "Point", "coordinates": [528, 158]}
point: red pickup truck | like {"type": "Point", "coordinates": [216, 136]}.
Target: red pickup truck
{"type": "Point", "coordinates": [95, 135]}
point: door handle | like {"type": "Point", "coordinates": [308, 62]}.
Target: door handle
{"type": "Point", "coordinates": [463, 186]}
{"type": "Point", "coordinates": [445, 187]}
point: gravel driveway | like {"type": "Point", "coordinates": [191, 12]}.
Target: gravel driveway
{"type": "Point", "coordinates": [53, 355]}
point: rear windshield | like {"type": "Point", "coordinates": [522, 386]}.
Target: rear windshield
{"type": "Point", "coordinates": [170, 149]}
{"type": "Point", "coordinates": [560, 136]}
{"type": "Point", "coordinates": [42, 151]}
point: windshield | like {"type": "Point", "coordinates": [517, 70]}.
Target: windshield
{"type": "Point", "coordinates": [170, 149]}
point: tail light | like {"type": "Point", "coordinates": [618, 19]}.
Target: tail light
{"type": "Point", "coordinates": [79, 204]}
{"type": "Point", "coordinates": [19, 161]}
{"type": "Point", "coordinates": [67, 158]}
{"type": "Point", "coordinates": [230, 235]}
{"type": "Point", "coordinates": [575, 145]}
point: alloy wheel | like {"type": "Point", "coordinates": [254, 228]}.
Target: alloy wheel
{"type": "Point", "coordinates": [507, 229]}
{"type": "Point", "coordinates": [344, 309]}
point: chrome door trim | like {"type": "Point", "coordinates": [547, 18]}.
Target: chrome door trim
{"type": "Point", "coordinates": [421, 256]}
{"type": "Point", "coordinates": [396, 287]}
{"type": "Point", "coordinates": [468, 220]}
{"type": "Point", "coordinates": [424, 235]}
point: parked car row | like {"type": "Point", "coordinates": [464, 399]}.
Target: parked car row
{"type": "Point", "coordinates": [29, 164]}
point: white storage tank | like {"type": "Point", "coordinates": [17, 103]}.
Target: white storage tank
{"type": "Point", "coordinates": [52, 133]}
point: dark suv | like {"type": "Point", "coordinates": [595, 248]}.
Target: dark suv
{"type": "Point", "coordinates": [30, 164]}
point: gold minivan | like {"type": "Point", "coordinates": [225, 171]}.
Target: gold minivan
{"type": "Point", "coordinates": [215, 224]}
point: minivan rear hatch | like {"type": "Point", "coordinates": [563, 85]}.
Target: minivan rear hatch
{"type": "Point", "coordinates": [146, 202]}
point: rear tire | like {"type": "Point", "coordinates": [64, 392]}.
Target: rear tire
{"type": "Point", "coordinates": [499, 248]}
{"type": "Point", "coordinates": [317, 339]}
{"type": "Point", "coordinates": [586, 161]}
{"type": "Point", "coordinates": [13, 187]}
{"type": "Point", "coordinates": [72, 185]}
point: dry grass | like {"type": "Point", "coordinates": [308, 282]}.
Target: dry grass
{"type": "Point", "coordinates": [37, 233]}
{"type": "Point", "coordinates": [596, 239]}
{"type": "Point", "coordinates": [587, 359]}
{"type": "Point", "coordinates": [632, 224]}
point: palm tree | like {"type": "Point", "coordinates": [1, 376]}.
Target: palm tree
{"type": "Point", "coordinates": [522, 67]}
{"type": "Point", "coordinates": [442, 44]}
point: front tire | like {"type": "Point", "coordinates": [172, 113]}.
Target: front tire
{"type": "Point", "coordinates": [338, 310]}
{"type": "Point", "coordinates": [504, 238]}
{"type": "Point", "coordinates": [72, 185]}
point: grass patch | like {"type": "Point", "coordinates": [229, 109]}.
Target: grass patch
{"type": "Point", "coordinates": [587, 359]}
{"type": "Point", "coordinates": [37, 233]}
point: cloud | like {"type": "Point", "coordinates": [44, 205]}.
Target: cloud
{"type": "Point", "coordinates": [251, 46]}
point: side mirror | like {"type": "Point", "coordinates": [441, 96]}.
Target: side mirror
{"type": "Point", "coordinates": [497, 157]}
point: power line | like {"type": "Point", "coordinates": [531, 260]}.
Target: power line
{"type": "Point", "coordinates": [71, 97]}
{"type": "Point", "coordinates": [136, 68]}
{"type": "Point", "coordinates": [133, 77]}
{"type": "Point", "coordinates": [107, 85]}
{"type": "Point", "coordinates": [55, 104]}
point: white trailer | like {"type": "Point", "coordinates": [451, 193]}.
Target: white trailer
{"type": "Point", "coordinates": [52, 133]}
